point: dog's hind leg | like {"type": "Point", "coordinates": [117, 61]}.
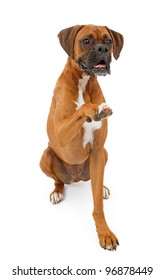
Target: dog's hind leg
{"type": "Point", "coordinates": [53, 167]}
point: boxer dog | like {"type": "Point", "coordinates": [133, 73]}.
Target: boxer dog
{"type": "Point", "coordinates": [77, 121]}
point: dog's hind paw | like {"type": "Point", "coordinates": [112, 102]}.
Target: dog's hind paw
{"type": "Point", "coordinates": [56, 197]}
{"type": "Point", "coordinates": [106, 192]}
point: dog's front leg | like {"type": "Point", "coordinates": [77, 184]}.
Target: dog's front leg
{"type": "Point", "coordinates": [97, 164]}
{"type": "Point", "coordinates": [70, 126]}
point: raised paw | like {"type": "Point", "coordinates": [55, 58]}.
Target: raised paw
{"type": "Point", "coordinates": [103, 112]}
{"type": "Point", "coordinates": [56, 197]}
{"type": "Point", "coordinates": [106, 192]}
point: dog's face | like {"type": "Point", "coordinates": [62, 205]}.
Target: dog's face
{"type": "Point", "coordinates": [91, 47]}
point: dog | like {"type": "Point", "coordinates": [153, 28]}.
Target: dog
{"type": "Point", "coordinates": [77, 121]}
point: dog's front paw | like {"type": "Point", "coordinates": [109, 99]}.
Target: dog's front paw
{"type": "Point", "coordinates": [108, 240]}
{"type": "Point", "coordinates": [103, 112]}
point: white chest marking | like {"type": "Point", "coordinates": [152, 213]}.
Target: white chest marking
{"type": "Point", "coordinates": [89, 128]}
{"type": "Point", "coordinates": [81, 86]}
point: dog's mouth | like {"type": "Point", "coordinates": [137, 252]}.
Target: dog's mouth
{"type": "Point", "coordinates": [99, 69]}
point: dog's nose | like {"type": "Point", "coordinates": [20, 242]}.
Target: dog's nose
{"type": "Point", "coordinates": [100, 48]}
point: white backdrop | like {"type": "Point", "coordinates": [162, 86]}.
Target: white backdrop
{"type": "Point", "coordinates": [34, 232]}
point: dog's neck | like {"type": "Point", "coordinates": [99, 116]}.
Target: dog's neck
{"type": "Point", "coordinates": [73, 70]}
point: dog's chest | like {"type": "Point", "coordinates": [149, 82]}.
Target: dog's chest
{"type": "Point", "coordinates": [89, 127]}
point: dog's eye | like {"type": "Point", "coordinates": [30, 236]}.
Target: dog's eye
{"type": "Point", "coordinates": [109, 42]}
{"type": "Point", "coordinates": [86, 41]}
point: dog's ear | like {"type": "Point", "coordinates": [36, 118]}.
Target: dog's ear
{"type": "Point", "coordinates": [118, 41]}
{"type": "Point", "coordinates": [67, 38]}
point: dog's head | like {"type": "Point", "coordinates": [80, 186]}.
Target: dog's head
{"type": "Point", "coordinates": [91, 47]}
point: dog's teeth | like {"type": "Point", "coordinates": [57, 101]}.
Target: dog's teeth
{"type": "Point", "coordinates": [99, 66]}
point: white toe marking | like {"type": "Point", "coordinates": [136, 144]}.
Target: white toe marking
{"type": "Point", "coordinates": [56, 197]}
{"type": "Point", "coordinates": [106, 193]}
{"type": "Point", "coordinates": [109, 248]}
{"type": "Point", "coordinates": [102, 106]}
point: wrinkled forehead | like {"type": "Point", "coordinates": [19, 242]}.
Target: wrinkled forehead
{"type": "Point", "coordinates": [98, 32]}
